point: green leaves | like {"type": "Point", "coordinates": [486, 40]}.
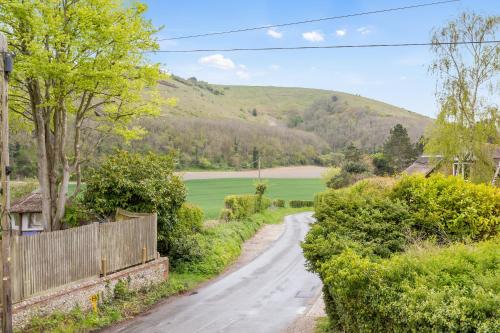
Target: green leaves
{"type": "Point", "coordinates": [139, 183]}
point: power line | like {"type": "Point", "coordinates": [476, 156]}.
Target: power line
{"type": "Point", "coordinates": [310, 20]}
{"type": "Point", "coordinates": [326, 47]}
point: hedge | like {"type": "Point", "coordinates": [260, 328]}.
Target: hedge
{"type": "Point", "coordinates": [451, 207]}
{"type": "Point", "coordinates": [279, 203]}
{"type": "Point", "coordinates": [360, 245]}
{"type": "Point", "coordinates": [454, 289]}
{"type": "Point", "coordinates": [301, 203]}
{"type": "Point", "coordinates": [242, 206]}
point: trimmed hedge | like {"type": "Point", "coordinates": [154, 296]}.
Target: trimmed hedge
{"type": "Point", "coordinates": [242, 206]}
{"type": "Point", "coordinates": [450, 207]}
{"type": "Point", "coordinates": [454, 289]}
{"type": "Point", "coordinates": [279, 203]}
{"type": "Point", "coordinates": [373, 283]}
{"type": "Point", "coordinates": [301, 203]}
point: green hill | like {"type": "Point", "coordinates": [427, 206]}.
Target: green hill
{"type": "Point", "coordinates": [219, 125]}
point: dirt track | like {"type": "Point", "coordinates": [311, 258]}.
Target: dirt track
{"type": "Point", "coordinates": [283, 172]}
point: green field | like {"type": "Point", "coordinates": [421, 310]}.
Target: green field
{"type": "Point", "coordinates": [209, 193]}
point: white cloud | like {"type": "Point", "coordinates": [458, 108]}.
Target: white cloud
{"type": "Point", "coordinates": [243, 74]}
{"type": "Point", "coordinates": [275, 34]}
{"type": "Point", "coordinates": [217, 61]}
{"type": "Point", "coordinates": [313, 36]}
{"type": "Point", "coordinates": [364, 30]}
{"type": "Point", "coordinates": [341, 32]}
{"type": "Point", "coordinates": [275, 67]}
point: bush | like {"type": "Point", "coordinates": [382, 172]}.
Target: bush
{"type": "Point", "coordinates": [138, 183]}
{"type": "Point", "coordinates": [242, 206]}
{"type": "Point", "coordinates": [279, 203]}
{"type": "Point", "coordinates": [344, 179]}
{"type": "Point", "coordinates": [371, 284]}
{"type": "Point", "coordinates": [355, 167]}
{"type": "Point", "coordinates": [451, 208]}
{"type": "Point", "coordinates": [184, 239]}
{"type": "Point", "coordinates": [436, 290]}
{"type": "Point", "coordinates": [190, 219]}
{"type": "Point", "coordinates": [372, 225]}
{"type": "Point", "coordinates": [226, 215]}
{"type": "Point", "coordinates": [301, 203]}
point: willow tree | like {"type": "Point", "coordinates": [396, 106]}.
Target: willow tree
{"type": "Point", "coordinates": [467, 126]}
{"type": "Point", "coordinates": [80, 67]}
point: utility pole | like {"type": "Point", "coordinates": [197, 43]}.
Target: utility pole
{"type": "Point", "coordinates": [5, 68]}
{"type": "Point", "coordinates": [258, 164]}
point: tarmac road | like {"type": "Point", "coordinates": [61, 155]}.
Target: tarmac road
{"type": "Point", "coordinates": [266, 295]}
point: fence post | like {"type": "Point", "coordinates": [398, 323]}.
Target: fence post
{"type": "Point", "coordinates": [144, 254]}
{"type": "Point", "coordinates": [103, 267]}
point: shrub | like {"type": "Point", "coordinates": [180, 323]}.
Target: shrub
{"type": "Point", "coordinates": [436, 290]}
{"type": "Point", "coordinates": [450, 207]}
{"type": "Point", "coordinates": [329, 174]}
{"type": "Point", "coordinates": [355, 167]}
{"type": "Point", "coordinates": [76, 214]}
{"type": "Point", "coordinates": [371, 225]}
{"type": "Point", "coordinates": [190, 219]}
{"type": "Point", "coordinates": [301, 203]}
{"type": "Point", "coordinates": [184, 239]}
{"type": "Point", "coordinates": [344, 179]}
{"type": "Point", "coordinates": [139, 183]}
{"type": "Point", "coordinates": [279, 203]}
{"type": "Point", "coordinates": [226, 215]}
{"type": "Point", "coordinates": [242, 206]}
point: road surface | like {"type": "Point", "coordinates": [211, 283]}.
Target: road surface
{"type": "Point", "coordinates": [266, 295]}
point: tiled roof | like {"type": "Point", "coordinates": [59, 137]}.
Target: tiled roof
{"type": "Point", "coordinates": [424, 164]}
{"type": "Point", "coordinates": [32, 203]}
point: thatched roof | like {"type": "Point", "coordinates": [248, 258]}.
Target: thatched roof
{"type": "Point", "coordinates": [32, 203]}
{"type": "Point", "coordinates": [425, 164]}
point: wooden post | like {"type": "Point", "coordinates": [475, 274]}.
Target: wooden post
{"type": "Point", "coordinates": [258, 161]}
{"type": "Point", "coordinates": [144, 255]}
{"type": "Point", "coordinates": [104, 269]}
{"type": "Point", "coordinates": [4, 165]}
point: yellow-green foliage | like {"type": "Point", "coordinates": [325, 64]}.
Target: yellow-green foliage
{"type": "Point", "coordinates": [371, 284]}
{"type": "Point", "coordinates": [451, 207]}
{"type": "Point", "coordinates": [452, 289]}
{"type": "Point", "coordinates": [242, 206]}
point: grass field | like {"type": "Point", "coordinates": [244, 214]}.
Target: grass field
{"type": "Point", "coordinates": [209, 193]}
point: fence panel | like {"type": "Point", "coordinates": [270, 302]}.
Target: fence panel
{"type": "Point", "coordinates": [52, 259]}
{"type": "Point", "coordinates": [122, 242]}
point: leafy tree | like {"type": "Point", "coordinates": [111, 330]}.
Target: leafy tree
{"type": "Point", "coordinates": [381, 164]}
{"type": "Point", "coordinates": [80, 71]}
{"type": "Point", "coordinates": [398, 148]}
{"type": "Point", "coordinates": [139, 183]}
{"type": "Point", "coordinates": [352, 153]}
{"type": "Point", "coordinates": [468, 83]}
{"type": "Point", "coordinates": [255, 157]}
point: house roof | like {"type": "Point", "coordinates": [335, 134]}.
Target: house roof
{"type": "Point", "coordinates": [425, 164]}
{"type": "Point", "coordinates": [32, 203]}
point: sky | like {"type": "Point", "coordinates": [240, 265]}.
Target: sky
{"type": "Point", "coordinates": [398, 76]}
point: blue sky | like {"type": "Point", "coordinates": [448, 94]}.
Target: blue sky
{"type": "Point", "coordinates": [395, 75]}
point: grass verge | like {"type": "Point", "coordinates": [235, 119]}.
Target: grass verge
{"type": "Point", "coordinates": [225, 246]}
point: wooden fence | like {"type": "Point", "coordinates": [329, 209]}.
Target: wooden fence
{"type": "Point", "coordinates": [52, 259]}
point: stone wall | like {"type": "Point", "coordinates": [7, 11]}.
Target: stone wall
{"type": "Point", "coordinates": [81, 293]}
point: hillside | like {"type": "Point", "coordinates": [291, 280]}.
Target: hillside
{"type": "Point", "coordinates": [217, 125]}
